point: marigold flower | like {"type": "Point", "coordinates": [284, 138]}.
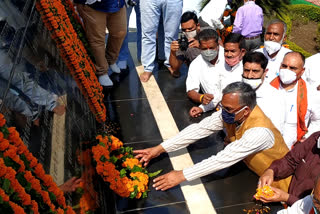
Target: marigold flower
{"type": "Point", "coordinates": [2, 120]}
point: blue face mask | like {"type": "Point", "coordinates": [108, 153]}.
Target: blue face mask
{"type": "Point", "coordinates": [229, 117]}
{"type": "Point", "coordinates": [315, 210]}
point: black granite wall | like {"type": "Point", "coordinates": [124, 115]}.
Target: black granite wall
{"type": "Point", "coordinates": [33, 78]}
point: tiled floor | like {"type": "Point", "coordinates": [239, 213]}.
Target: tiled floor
{"type": "Point", "coordinates": [230, 190]}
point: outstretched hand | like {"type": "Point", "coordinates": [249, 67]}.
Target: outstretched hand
{"type": "Point", "coordinates": [70, 185]}
{"type": "Point", "coordinates": [145, 155]}
{"type": "Point", "coordinates": [168, 180]}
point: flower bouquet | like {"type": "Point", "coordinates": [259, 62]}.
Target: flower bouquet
{"type": "Point", "coordinates": [117, 166]}
{"type": "Point", "coordinates": [24, 185]}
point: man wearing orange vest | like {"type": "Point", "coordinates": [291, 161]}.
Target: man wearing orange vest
{"type": "Point", "coordinates": [302, 102]}
{"type": "Point", "coordinates": [253, 137]}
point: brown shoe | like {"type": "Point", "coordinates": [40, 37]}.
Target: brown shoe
{"type": "Point", "coordinates": [173, 73]}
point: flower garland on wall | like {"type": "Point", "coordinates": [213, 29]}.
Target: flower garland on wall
{"type": "Point", "coordinates": [25, 187]}
{"type": "Point", "coordinates": [77, 25]}
{"type": "Point", "coordinates": [73, 53]}
{"type": "Point", "coordinates": [118, 167]}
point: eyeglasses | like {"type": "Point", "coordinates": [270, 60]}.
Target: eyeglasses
{"type": "Point", "coordinates": [219, 105]}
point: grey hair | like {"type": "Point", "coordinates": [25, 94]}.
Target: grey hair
{"type": "Point", "coordinates": [247, 96]}
{"type": "Point", "coordinates": [278, 21]}
{"type": "Point", "coordinates": [208, 33]}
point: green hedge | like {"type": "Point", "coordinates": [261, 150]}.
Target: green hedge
{"type": "Point", "coordinates": [300, 2]}
{"type": "Point", "coordinates": [309, 11]}
{"type": "Point", "coordinates": [294, 47]}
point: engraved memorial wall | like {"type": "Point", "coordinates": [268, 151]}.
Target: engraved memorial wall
{"type": "Point", "coordinates": [40, 98]}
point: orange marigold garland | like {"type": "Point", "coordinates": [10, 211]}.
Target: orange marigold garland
{"type": "Point", "coordinates": [73, 53]}
{"type": "Point", "coordinates": [117, 166]}
{"type": "Point", "coordinates": [25, 186]}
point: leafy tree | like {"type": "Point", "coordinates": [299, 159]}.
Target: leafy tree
{"type": "Point", "coordinates": [270, 7]}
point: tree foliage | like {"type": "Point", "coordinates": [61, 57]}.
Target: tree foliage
{"type": "Point", "coordinates": [270, 7]}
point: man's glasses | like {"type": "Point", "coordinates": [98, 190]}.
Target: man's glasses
{"type": "Point", "coordinates": [220, 106]}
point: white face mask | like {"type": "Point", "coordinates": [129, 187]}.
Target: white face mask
{"type": "Point", "coordinates": [191, 34]}
{"type": "Point", "coordinates": [209, 55]}
{"type": "Point", "coordinates": [287, 76]}
{"type": "Point", "coordinates": [254, 83]}
{"type": "Point", "coordinates": [272, 47]}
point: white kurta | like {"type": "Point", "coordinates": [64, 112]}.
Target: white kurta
{"type": "Point", "coordinates": [272, 104]}
{"type": "Point", "coordinates": [303, 206]}
{"type": "Point", "coordinates": [204, 75]}
{"type": "Point", "coordinates": [312, 72]}
{"type": "Point", "coordinates": [274, 63]}
{"type": "Point", "coordinates": [213, 12]}
{"type": "Point", "coordinates": [312, 118]}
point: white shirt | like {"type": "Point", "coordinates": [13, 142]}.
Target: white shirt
{"type": "Point", "coordinates": [270, 101]}
{"type": "Point", "coordinates": [274, 63]}
{"type": "Point", "coordinates": [227, 75]}
{"type": "Point", "coordinates": [312, 118]}
{"type": "Point", "coordinates": [213, 12]}
{"type": "Point", "coordinates": [204, 75]}
{"type": "Point", "coordinates": [231, 74]}
{"type": "Point", "coordinates": [192, 5]}
{"type": "Point", "coordinates": [312, 74]}
{"type": "Point", "coordinates": [303, 206]}
{"type": "Point", "coordinates": [252, 141]}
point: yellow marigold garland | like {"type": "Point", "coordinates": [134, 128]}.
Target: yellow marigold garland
{"type": "Point", "coordinates": [73, 53]}
{"type": "Point", "coordinates": [23, 179]}
{"type": "Point", "coordinates": [117, 166]}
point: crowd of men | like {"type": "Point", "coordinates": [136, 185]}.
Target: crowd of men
{"type": "Point", "coordinates": [264, 96]}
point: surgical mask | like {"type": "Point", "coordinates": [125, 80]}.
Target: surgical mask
{"type": "Point", "coordinates": [287, 76]}
{"type": "Point", "coordinates": [233, 61]}
{"type": "Point", "coordinates": [209, 54]}
{"type": "Point", "coordinates": [272, 47]}
{"type": "Point", "coordinates": [254, 83]}
{"type": "Point", "coordinates": [191, 34]}
{"type": "Point", "coordinates": [229, 117]}
{"type": "Point", "coordinates": [315, 210]}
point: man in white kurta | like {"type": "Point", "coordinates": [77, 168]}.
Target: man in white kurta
{"type": "Point", "coordinates": [289, 78]}
{"type": "Point", "coordinates": [268, 98]}
{"type": "Point", "coordinates": [273, 49]}
{"type": "Point", "coordinates": [202, 83]}
{"type": "Point", "coordinates": [231, 71]}
{"type": "Point", "coordinates": [312, 73]}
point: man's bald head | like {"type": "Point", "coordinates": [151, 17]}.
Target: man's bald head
{"type": "Point", "coordinates": [296, 55]}
{"type": "Point", "coordinates": [293, 61]}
